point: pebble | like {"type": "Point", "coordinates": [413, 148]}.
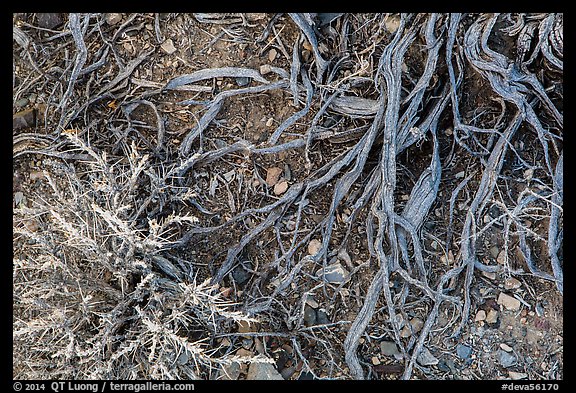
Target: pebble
{"type": "Point", "coordinates": [506, 347]}
{"type": "Point", "coordinates": [113, 18]}
{"type": "Point", "coordinates": [345, 257]}
{"type": "Point", "coordinates": [489, 275]}
{"type": "Point", "coordinates": [463, 351]}
{"type": "Point", "coordinates": [21, 103]}
{"type": "Point", "coordinates": [494, 251]}
{"type": "Point", "coordinates": [309, 316]}
{"type": "Point", "coordinates": [18, 198]}
{"type": "Point", "coordinates": [334, 273]}
{"type": "Point", "coordinates": [241, 275]}
{"type": "Point", "coordinates": [480, 316]}
{"type": "Point", "coordinates": [392, 23]}
{"type": "Point", "coordinates": [314, 246]}
{"type": "Point", "coordinates": [389, 348]}
{"type": "Point", "coordinates": [506, 359]}
{"type": "Point", "coordinates": [514, 375]}
{"type": "Point", "coordinates": [270, 122]}
{"type": "Point", "coordinates": [246, 327]}
{"type": "Point", "coordinates": [509, 302]}
{"type": "Point", "coordinates": [512, 283]}
{"type": "Point", "coordinates": [272, 54]}
{"type": "Point", "coordinates": [23, 119]}
{"type": "Point", "coordinates": [273, 175]}
{"type": "Point", "coordinates": [263, 371]}
{"type": "Point", "coordinates": [243, 81]}
{"type": "Point", "coordinates": [492, 316]}
{"type": "Point", "coordinates": [230, 372]}
{"type": "Point", "coordinates": [280, 188]}
{"type": "Point", "coordinates": [375, 360]}
{"type": "Point", "coordinates": [168, 46]}
{"type": "Point", "coordinates": [501, 259]}
{"type": "Point", "coordinates": [49, 20]}
{"type": "Point", "coordinates": [265, 69]}
{"type": "Point", "coordinates": [322, 317]}
{"type": "Point", "coordinates": [425, 358]}
{"type": "Point", "coordinates": [416, 324]}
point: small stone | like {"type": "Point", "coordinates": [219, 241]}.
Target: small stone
{"type": "Point", "coordinates": [24, 119]}
{"type": "Point", "coordinates": [246, 327]}
{"type": "Point", "coordinates": [334, 273]}
{"type": "Point", "coordinates": [230, 372]}
{"type": "Point", "coordinates": [416, 324]}
{"type": "Point", "coordinates": [509, 302]}
{"type": "Point", "coordinates": [18, 198]}
{"type": "Point", "coordinates": [113, 18]}
{"type": "Point", "coordinates": [489, 275]}
{"type": "Point", "coordinates": [528, 173]}
{"type": "Point", "coordinates": [480, 316]}
{"type": "Point", "coordinates": [425, 358]}
{"type": "Point", "coordinates": [21, 103]}
{"type": "Point", "coordinates": [309, 316]}
{"type": "Point", "coordinates": [322, 317]}
{"type": "Point", "coordinates": [265, 69]}
{"type": "Point", "coordinates": [273, 175]}
{"type": "Point", "coordinates": [506, 359]}
{"type": "Point", "coordinates": [460, 175]}
{"type": "Point", "coordinates": [263, 371]}
{"type": "Point", "coordinates": [506, 347]}
{"type": "Point", "coordinates": [463, 351]}
{"type": "Point", "coordinates": [492, 316]}
{"type": "Point", "coordinates": [280, 188]}
{"type": "Point", "coordinates": [375, 360]}
{"type": "Point", "coordinates": [183, 358]}
{"type": "Point", "coordinates": [312, 303]}
{"type": "Point", "coordinates": [389, 348]}
{"type": "Point", "coordinates": [514, 375]}
{"type": "Point", "coordinates": [243, 81]}
{"type": "Point", "coordinates": [49, 20]}
{"type": "Point", "coordinates": [494, 251]}
{"type": "Point", "coordinates": [168, 46]}
{"type": "Point", "coordinates": [36, 175]}
{"type": "Point", "coordinates": [272, 54]}
{"type": "Point", "coordinates": [512, 283]}
{"type": "Point", "coordinates": [501, 259]}
{"type": "Point", "coordinates": [345, 257]}
{"type": "Point", "coordinates": [314, 246]}
{"type": "Point", "coordinates": [392, 23]}
{"type": "Point", "coordinates": [270, 122]}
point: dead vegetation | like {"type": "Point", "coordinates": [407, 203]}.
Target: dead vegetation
{"type": "Point", "coordinates": [156, 229]}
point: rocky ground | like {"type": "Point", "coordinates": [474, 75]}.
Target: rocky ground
{"type": "Point", "coordinates": [514, 327]}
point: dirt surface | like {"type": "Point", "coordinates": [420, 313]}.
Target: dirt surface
{"type": "Point", "coordinates": [303, 331]}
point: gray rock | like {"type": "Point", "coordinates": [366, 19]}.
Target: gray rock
{"type": "Point", "coordinates": [243, 81]}
{"type": "Point", "coordinates": [168, 46]}
{"type": "Point", "coordinates": [21, 103]}
{"type": "Point", "coordinates": [322, 317]}
{"type": "Point", "coordinates": [230, 372]}
{"type": "Point", "coordinates": [389, 348]}
{"type": "Point", "coordinates": [463, 351]}
{"type": "Point", "coordinates": [309, 316]}
{"type": "Point", "coordinates": [425, 358]}
{"type": "Point", "coordinates": [506, 359]}
{"type": "Point", "coordinates": [334, 273]}
{"type": "Point", "coordinates": [263, 371]}
{"type": "Point", "coordinates": [49, 20]}
{"type": "Point", "coordinates": [241, 275]}
{"type": "Point", "coordinates": [113, 18]}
